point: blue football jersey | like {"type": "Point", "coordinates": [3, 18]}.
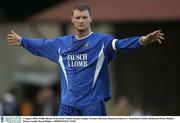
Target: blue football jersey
{"type": "Point", "coordinates": [83, 62]}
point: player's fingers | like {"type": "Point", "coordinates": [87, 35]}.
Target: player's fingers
{"type": "Point", "coordinates": [14, 33]}
{"type": "Point", "coordinates": [11, 41]}
{"type": "Point", "coordinates": [13, 44]}
{"type": "Point", "coordinates": [160, 37]}
{"type": "Point", "coordinates": [156, 32]}
{"type": "Point", "coordinates": [11, 35]}
{"type": "Point", "coordinates": [162, 34]}
{"type": "Point", "coordinates": [10, 38]}
{"type": "Point", "coordinates": [159, 34]}
{"type": "Point", "coordinates": [158, 40]}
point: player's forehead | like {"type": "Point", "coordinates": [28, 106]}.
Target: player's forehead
{"type": "Point", "coordinates": [80, 13]}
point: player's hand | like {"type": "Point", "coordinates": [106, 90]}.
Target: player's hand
{"type": "Point", "coordinates": [14, 39]}
{"type": "Point", "coordinates": [156, 36]}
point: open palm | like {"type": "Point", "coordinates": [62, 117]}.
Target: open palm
{"type": "Point", "coordinates": [14, 39]}
{"type": "Point", "coordinates": [156, 36]}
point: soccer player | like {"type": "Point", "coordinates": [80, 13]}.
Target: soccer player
{"type": "Point", "coordinates": [83, 58]}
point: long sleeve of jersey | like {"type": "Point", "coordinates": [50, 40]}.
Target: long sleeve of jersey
{"type": "Point", "coordinates": [126, 44]}
{"type": "Point", "coordinates": [42, 47]}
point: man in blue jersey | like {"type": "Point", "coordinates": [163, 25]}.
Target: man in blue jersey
{"type": "Point", "coordinates": [83, 58]}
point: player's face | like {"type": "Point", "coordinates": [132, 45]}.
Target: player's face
{"type": "Point", "coordinates": [81, 20]}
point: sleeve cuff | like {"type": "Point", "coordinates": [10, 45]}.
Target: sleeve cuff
{"type": "Point", "coordinates": [20, 40]}
{"type": "Point", "coordinates": [141, 42]}
{"type": "Point", "coordinates": [114, 44]}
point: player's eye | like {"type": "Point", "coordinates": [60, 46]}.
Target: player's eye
{"type": "Point", "coordinates": [77, 18]}
{"type": "Point", "coordinates": [85, 17]}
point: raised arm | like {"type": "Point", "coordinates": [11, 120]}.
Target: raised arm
{"type": "Point", "coordinates": [137, 41]}
{"type": "Point", "coordinates": [47, 48]}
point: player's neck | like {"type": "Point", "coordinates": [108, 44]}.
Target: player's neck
{"type": "Point", "coordinates": [82, 34]}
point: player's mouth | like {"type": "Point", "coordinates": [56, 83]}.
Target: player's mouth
{"type": "Point", "coordinates": [82, 26]}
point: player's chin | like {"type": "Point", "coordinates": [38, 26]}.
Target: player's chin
{"type": "Point", "coordinates": [81, 29]}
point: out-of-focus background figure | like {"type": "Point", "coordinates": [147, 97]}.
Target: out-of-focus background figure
{"type": "Point", "coordinates": [122, 107]}
{"type": "Point", "coordinates": [46, 103]}
{"type": "Point", "coordinates": [1, 109]}
{"type": "Point", "coordinates": [9, 104]}
{"type": "Point", "coordinates": [26, 108]}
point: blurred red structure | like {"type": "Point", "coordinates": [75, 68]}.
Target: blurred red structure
{"type": "Point", "coordinates": [116, 10]}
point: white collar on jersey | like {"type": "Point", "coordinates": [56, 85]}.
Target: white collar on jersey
{"type": "Point", "coordinates": [84, 37]}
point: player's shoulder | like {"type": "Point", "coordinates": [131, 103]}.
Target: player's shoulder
{"type": "Point", "coordinates": [65, 38]}
{"type": "Point", "coordinates": [103, 35]}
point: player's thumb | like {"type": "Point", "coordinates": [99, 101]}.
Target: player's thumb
{"type": "Point", "coordinates": [12, 31]}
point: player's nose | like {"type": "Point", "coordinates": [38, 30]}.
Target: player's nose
{"type": "Point", "coordinates": [81, 20]}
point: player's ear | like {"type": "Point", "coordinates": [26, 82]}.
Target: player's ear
{"type": "Point", "coordinates": [90, 19]}
{"type": "Point", "coordinates": [72, 19]}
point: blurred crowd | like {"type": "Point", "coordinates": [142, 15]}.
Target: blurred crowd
{"type": "Point", "coordinates": [123, 107]}
{"type": "Point", "coordinates": [43, 103]}
{"type": "Point", "coordinates": [9, 105]}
